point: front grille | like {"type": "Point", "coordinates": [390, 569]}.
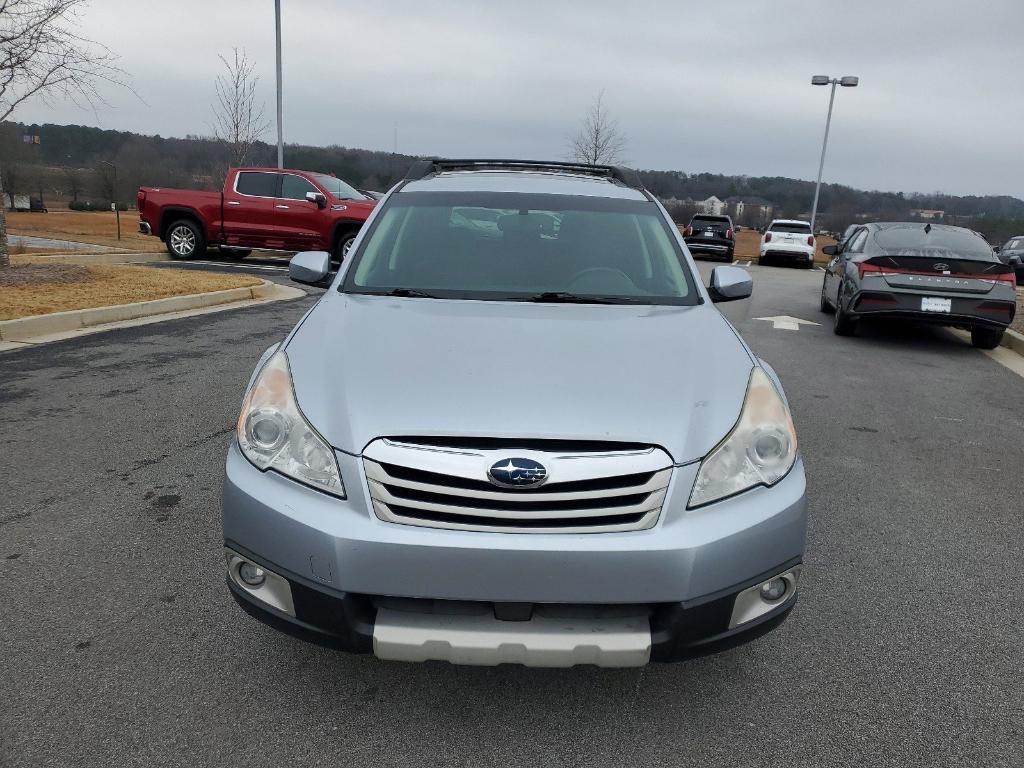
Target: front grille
{"type": "Point", "coordinates": [440, 486]}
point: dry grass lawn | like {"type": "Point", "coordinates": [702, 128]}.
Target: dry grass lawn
{"type": "Point", "coordinates": [99, 227]}
{"type": "Point", "coordinates": [1018, 319]}
{"type": "Point", "coordinates": [40, 289]}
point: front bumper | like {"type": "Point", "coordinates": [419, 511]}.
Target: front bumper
{"type": "Point", "coordinates": [340, 559]}
{"type": "Point", "coordinates": [473, 633]}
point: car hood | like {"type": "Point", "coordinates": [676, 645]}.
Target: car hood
{"type": "Point", "coordinates": [371, 366]}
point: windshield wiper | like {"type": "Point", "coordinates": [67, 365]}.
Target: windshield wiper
{"type": "Point", "coordinates": [562, 297]}
{"type": "Point", "coordinates": [407, 293]}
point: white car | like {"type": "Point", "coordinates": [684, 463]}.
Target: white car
{"type": "Point", "coordinates": [789, 240]}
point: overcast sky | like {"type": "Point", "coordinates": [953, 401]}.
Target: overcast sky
{"type": "Point", "coordinates": [711, 86]}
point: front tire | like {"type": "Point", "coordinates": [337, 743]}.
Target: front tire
{"type": "Point", "coordinates": [826, 307]}
{"type": "Point", "coordinates": [185, 240]}
{"type": "Point", "coordinates": [843, 324]}
{"type": "Point", "coordinates": [986, 338]}
{"type": "Point", "coordinates": [730, 257]}
{"type": "Point", "coordinates": [344, 245]}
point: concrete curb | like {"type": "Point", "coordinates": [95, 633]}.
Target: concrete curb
{"type": "Point", "coordinates": [110, 257]}
{"type": "Point", "coordinates": [1013, 341]}
{"type": "Point", "coordinates": [30, 329]}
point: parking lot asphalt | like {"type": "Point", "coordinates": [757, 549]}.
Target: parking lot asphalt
{"type": "Point", "coordinates": [121, 646]}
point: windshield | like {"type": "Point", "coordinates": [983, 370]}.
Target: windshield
{"type": "Point", "coordinates": [338, 188]}
{"type": "Point", "coordinates": [912, 237]}
{"type": "Point", "coordinates": [518, 247]}
{"type": "Point", "coordinates": [803, 229]}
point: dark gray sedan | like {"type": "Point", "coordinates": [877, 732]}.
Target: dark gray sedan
{"type": "Point", "coordinates": [924, 272]}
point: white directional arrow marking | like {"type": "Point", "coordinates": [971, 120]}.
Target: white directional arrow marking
{"type": "Point", "coordinates": [786, 323]}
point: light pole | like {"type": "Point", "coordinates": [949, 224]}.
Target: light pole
{"type": "Point", "coordinates": [280, 127]}
{"type": "Point", "coordinates": [847, 82]}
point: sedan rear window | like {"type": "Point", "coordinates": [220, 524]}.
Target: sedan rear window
{"type": "Point", "coordinates": [915, 237]}
{"type": "Point", "coordinates": [803, 229]}
{"type": "Point", "coordinates": [513, 246]}
{"type": "Point", "coordinates": [708, 221]}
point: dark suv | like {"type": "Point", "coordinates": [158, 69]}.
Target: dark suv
{"type": "Point", "coordinates": [711, 235]}
{"type": "Point", "coordinates": [1012, 253]}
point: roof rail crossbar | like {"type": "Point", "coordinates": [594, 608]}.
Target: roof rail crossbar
{"type": "Point", "coordinates": [428, 166]}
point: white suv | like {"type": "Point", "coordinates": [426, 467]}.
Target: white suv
{"type": "Point", "coordinates": [788, 239]}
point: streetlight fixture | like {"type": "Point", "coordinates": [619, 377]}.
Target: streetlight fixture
{"type": "Point", "coordinates": [848, 81]}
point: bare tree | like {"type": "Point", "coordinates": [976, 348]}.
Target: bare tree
{"type": "Point", "coordinates": [599, 140]}
{"type": "Point", "coordinates": [238, 120]}
{"type": "Point", "coordinates": [106, 180]}
{"type": "Point", "coordinates": [73, 182]}
{"type": "Point", "coordinates": [12, 182]}
{"type": "Point", "coordinates": [41, 56]}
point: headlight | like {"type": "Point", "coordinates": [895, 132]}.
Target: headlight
{"type": "Point", "coordinates": [273, 433]}
{"type": "Point", "coordinates": [760, 450]}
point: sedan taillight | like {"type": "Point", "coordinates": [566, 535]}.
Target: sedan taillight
{"type": "Point", "coordinates": [864, 268]}
{"type": "Point", "coordinates": [810, 239]}
{"type": "Point", "coordinates": [688, 232]}
{"type": "Point", "coordinates": [767, 237]}
{"type": "Point", "coordinates": [728, 234]}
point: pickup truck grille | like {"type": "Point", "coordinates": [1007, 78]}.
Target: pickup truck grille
{"type": "Point", "coordinates": [445, 486]}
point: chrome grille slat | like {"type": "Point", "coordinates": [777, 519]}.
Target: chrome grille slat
{"type": "Point", "coordinates": [651, 501]}
{"type": "Point", "coordinates": [449, 488]}
{"type": "Point", "coordinates": [379, 474]}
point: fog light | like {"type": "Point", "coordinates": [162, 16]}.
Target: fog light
{"type": "Point", "coordinates": [251, 574]}
{"type": "Point", "coordinates": [773, 589]}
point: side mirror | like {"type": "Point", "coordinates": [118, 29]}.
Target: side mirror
{"type": "Point", "coordinates": [730, 284]}
{"type": "Point", "coordinates": [830, 250]}
{"type": "Point", "coordinates": [997, 248]}
{"type": "Point", "coordinates": [317, 197]}
{"type": "Point", "coordinates": [310, 267]}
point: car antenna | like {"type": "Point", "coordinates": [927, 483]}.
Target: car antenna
{"type": "Point", "coordinates": [927, 228]}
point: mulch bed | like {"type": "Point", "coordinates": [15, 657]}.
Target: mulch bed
{"type": "Point", "coordinates": [34, 274]}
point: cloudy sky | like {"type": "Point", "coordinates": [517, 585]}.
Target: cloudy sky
{"type": "Point", "coordinates": [710, 86]}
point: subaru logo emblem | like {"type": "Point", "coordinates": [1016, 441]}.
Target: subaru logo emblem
{"type": "Point", "coordinates": [517, 473]}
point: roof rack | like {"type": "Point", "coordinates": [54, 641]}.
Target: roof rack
{"type": "Point", "coordinates": [432, 165]}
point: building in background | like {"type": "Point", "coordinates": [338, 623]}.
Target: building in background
{"type": "Point", "coordinates": [749, 210]}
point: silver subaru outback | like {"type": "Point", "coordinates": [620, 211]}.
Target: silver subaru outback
{"type": "Point", "coordinates": [516, 428]}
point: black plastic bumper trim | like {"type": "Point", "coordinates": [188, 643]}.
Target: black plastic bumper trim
{"type": "Point", "coordinates": [679, 631]}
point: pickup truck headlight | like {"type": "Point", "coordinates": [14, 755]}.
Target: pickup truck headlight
{"type": "Point", "coordinates": [273, 433]}
{"type": "Point", "coordinates": [760, 450]}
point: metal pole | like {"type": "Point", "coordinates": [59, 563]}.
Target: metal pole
{"type": "Point", "coordinates": [117, 209]}
{"type": "Point", "coordinates": [824, 146]}
{"type": "Point", "coordinates": [280, 112]}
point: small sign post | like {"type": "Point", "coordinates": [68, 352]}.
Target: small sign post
{"type": "Point", "coordinates": [117, 215]}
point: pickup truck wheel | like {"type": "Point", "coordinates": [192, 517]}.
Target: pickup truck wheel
{"type": "Point", "coordinates": [344, 246]}
{"type": "Point", "coordinates": [185, 240]}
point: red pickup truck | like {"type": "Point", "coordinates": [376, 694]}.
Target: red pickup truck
{"type": "Point", "coordinates": [268, 208]}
